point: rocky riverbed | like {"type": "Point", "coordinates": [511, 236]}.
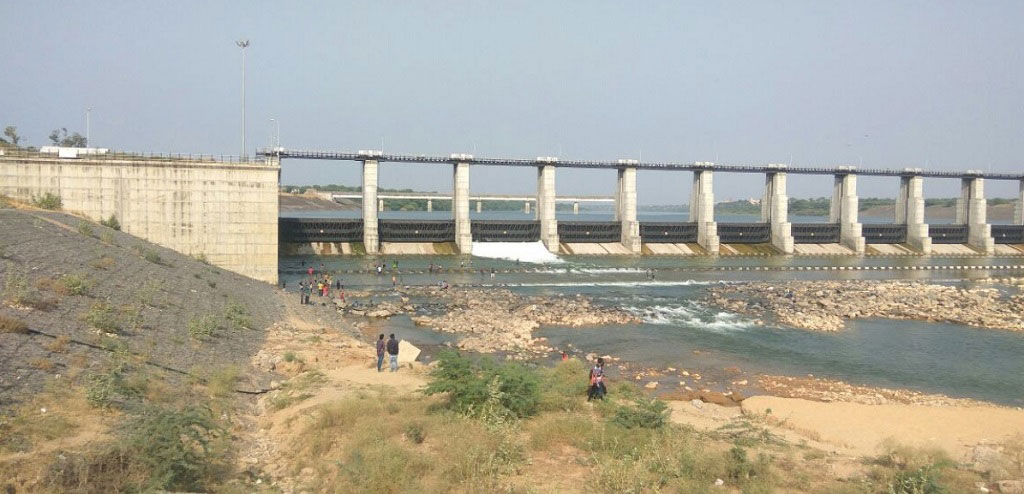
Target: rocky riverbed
{"type": "Point", "coordinates": [498, 320]}
{"type": "Point", "coordinates": [826, 305]}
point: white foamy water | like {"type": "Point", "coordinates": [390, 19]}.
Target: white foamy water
{"type": "Point", "coordinates": [615, 283]}
{"type": "Point", "coordinates": [690, 315]}
{"type": "Point", "coordinates": [531, 252]}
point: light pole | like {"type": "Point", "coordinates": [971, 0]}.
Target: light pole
{"type": "Point", "coordinates": [243, 44]}
{"type": "Point", "coordinates": [87, 112]}
{"type": "Point", "coordinates": [277, 123]}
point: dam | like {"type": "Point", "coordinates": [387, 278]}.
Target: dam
{"type": "Point", "coordinates": [225, 209]}
{"type": "Point", "coordinates": [701, 234]}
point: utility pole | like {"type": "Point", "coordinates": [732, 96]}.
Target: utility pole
{"type": "Point", "coordinates": [243, 44]}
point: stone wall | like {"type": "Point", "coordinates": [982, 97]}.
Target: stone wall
{"type": "Point", "coordinates": [224, 211]}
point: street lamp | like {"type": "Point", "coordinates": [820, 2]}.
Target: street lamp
{"type": "Point", "coordinates": [278, 124]}
{"type": "Point", "coordinates": [243, 44]}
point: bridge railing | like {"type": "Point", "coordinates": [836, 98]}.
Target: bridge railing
{"type": "Point", "coordinates": [127, 156]}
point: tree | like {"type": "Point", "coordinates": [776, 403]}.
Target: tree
{"type": "Point", "coordinates": [12, 136]}
{"type": "Point", "coordinates": [60, 137]}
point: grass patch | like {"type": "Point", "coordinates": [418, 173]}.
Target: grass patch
{"type": "Point", "coordinates": [102, 317]}
{"type": "Point", "coordinates": [237, 316]}
{"type": "Point", "coordinates": [105, 263]}
{"type": "Point", "coordinates": [12, 325]}
{"type": "Point", "coordinates": [47, 201]}
{"type": "Point", "coordinates": [203, 327]}
{"type": "Point", "coordinates": [222, 382]}
{"type": "Point", "coordinates": [85, 229]}
{"type": "Point", "coordinates": [18, 292]}
{"type": "Point", "coordinates": [152, 256]}
{"type": "Point", "coordinates": [74, 284]}
{"type": "Point", "coordinates": [41, 363]}
{"type": "Point", "coordinates": [59, 344]}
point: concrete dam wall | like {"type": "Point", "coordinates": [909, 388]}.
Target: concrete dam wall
{"type": "Point", "coordinates": [224, 211]}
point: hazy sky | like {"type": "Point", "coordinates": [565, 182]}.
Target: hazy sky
{"type": "Point", "coordinates": [933, 84]}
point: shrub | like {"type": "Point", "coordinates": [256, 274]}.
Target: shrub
{"type": "Point", "coordinates": [924, 480]}
{"type": "Point", "coordinates": [202, 327]}
{"type": "Point", "coordinates": [643, 413]}
{"type": "Point", "coordinates": [18, 292]}
{"type": "Point", "coordinates": [472, 386]}
{"type": "Point", "coordinates": [415, 433]}
{"type": "Point", "coordinates": [202, 258]}
{"type": "Point", "coordinates": [47, 201]}
{"type": "Point", "coordinates": [59, 344]}
{"type": "Point", "coordinates": [102, 390]}
{"type": "Point", "coordinates": [101, 316]}
{"type": "Point", "coordinates": [222, 382]}
{"type": "Point", "coordinates": [85, 229]}
{"type": "Point", "coordinates": [111, 222]}
{"type": "Point", "coordinates": [12, 325]}
{"type": "Point", "coordinates": [107, 237]}
{"type": "Point", "coordinates": [289, 356]}
{"type": "Point", "coordinates": [179, 448]}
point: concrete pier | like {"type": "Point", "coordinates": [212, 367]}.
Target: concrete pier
{"type": "Point", "coordinates": [371, 237]}
{"type": "Point", "coordinates": [775, 211]}
{"type": "Point", "coordinates": [430, 205]}
{"type": "Point", "coordinates": [1018, 215]}
{"type": "Point", "coordinates": [910, 212]}
{"type": "Point", "coordinates": [460, 208]}
{"type": "Point", "coordinates": [526, 207]}
{"type": "Point", "coordinates": [971, 210]}
{"type": "Point", "coordinates": [479, 206]}
{"type": "Point", "coordinates": [625, 209]}
{"type": "Point", "coordinates": [380, 205]}
{"type": "Point", "coordinates": [575, 208]}
{"type": "Point", "coordinates": [546, 207]}
{"type": "Point", "coordinates": [702, 208]}
{"type": "Point", "coordinates": [844, 211]}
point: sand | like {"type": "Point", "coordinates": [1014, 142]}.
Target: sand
{"type": "Point", "coordinates": [860, 429]}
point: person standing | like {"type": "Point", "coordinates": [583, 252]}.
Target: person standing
{"type": "Point", "coordinates": [392, 348]}
{"type": "Point", "coordinates": [380, 352]}
{"type": "Point", "coordinates": [597, 389]}
{"type": "Point", "coordinates": [302, 292]}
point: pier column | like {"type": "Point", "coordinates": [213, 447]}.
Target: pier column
{"type": "Point", "coordinates": [575, 208]}
{"type": "Point", "coordinates": [460, 208]}
{"type": "Point", "coordinates": [380, 205]}
{"type": "Point", "coordinates": [479, 206]}
{"type": "Point", "coordinates": [371, 240]}
{"type": "Point", "coordinates": [546, 207]}
{"type": "Point", "coordinates": [843, 210]}
{"type": "Point", "coordinates": [775, 211]}
{"type": "Point", "coordinates": [910, 212]}
{"type": "Point", "coordinates": [971, 209]}
{"type": "Point", "coordinates": [702, 208]}
{"type": "Point", "coordinates": [430, 205]}
{"type": "Point", "coordinates": [625, 209]}
{"type": "Point", "coordinates": [526, 207]}
{"type": "Point", "coordinates": [1018, 214]}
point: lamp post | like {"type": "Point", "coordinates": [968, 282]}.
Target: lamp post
{"type": "Point", "coordinates": [277, 123]}
{"type": "Point", "coordinates": [87, 112]}
{"type": "Point", "coordinates": [243, 44]}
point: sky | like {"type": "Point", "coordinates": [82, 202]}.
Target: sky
{"type": "Point", "coordinates": [930, 84]}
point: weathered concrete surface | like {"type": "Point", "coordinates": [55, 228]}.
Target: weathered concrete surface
{"type": "Point", "coordinates": [702, 209]}
{"type": "Point", "coordinates": [844, 209]}
{"type": "Point", "coordinates": [775, 211]}
{"type": "Point", "coordinates": [889, 250]}
{"type": "Point", "coordinates": [673, 249]}
{"type": "Point", "coordinates": [910, 212]}
{"type": "Point", "coordinates": [226, 212]}
{"type": "Point", "coordinates": [460, 208]}
{"type": "Point", "coordinates": [625, 209]}
{"type": "Point", "coordinates": [822, 250]}
{"type": "Point", "coordinates": [606, 248]}
{"type": "Point", "coordinates": [371, 238]}
{"type": "Point", "coordinates": [546, 207]}
{"type": "Point", "coordinates": [971, 210]}
{"type": "Point", "coordinates": [417, 248]}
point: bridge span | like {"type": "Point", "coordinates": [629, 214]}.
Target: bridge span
{"type": "Point", "coordinates": [478, 199]}
{"type": "Point", "coordinates": [908, 227]}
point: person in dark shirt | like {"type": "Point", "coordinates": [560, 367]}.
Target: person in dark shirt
{"type": "Point", "coordinates": [392, 348]}
{"type": "Point", "coordinates": [380, 352]}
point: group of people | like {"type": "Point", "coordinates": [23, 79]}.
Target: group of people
{"type": "Point", "coordinates": [320, 284]}
{"type": "Point", "coordinates": [389, 348]}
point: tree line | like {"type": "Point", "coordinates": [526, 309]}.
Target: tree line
{"type": "Point", "coordinates": [58, 137]}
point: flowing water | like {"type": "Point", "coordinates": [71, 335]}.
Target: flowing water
{"type": "Point", "coordinates": [679, 330]}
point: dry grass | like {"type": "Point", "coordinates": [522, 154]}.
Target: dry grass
{"type": "Point", "coordinates": [59, 344]}
{"type": "Point", "coordinates": [12, 325]}
{"type": "Point", "coordinates": [105, 263]}
{"type": "Point", "coordinates": [41, 363]}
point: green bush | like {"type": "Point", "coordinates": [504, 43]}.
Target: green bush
{"type": "Point", "coordinates": [102, 390]}
{"type": "Point", "coordinates": [102, 317]}
{"type": "Point", "coordinates": [478, 387]}
{"type": "Point", "coordinates": [642, 413]}
{"type": "Point", "coordinates": [924, 480]}
{"type": "Point", "coordinates": [203, 327]}
{"type": "Point", "coordinates": [151, 256]}
{"type": "Point", "coordinates": [47, 201]}
{"type": "Point", "coordinates": [111, 222]}
{"type": "Point", "coordinates": [180, 448]}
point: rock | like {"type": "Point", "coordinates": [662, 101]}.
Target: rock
{"type": "Point", "coordinates": [407, 352]}
{"type": "Point", "coordinates": [697, 404]}
{"type": "Point", "coordinates": [651, 385]}
{"type": "Point", "coordinates": [1011, 486]}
